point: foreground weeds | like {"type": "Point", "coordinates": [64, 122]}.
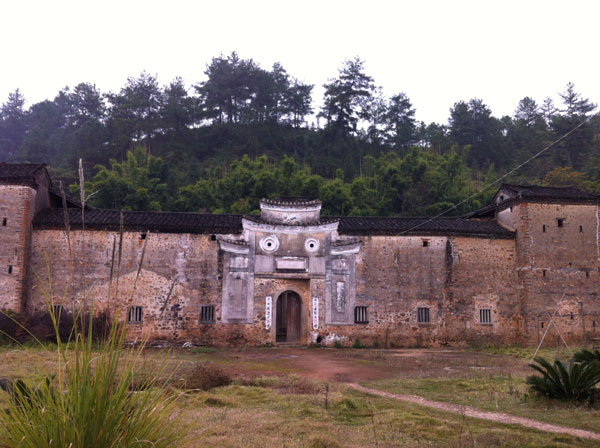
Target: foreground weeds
{"type": "Point", "coordinates": [271, 400]}
{"type": "Point", "coordinates": [90, 397]}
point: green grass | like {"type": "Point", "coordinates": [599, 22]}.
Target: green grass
{"type": "Point", "coordinates": [527, 352]}
{"type": "Point", "coordinates": [272, 403]}
{"type": "Point", "coordinates": [497, 393]}
{"type": "Point", "coordinates": [256, 416]}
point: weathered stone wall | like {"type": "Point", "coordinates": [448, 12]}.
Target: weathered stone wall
{"type": "Point", "coordinates": [179, 274]}
{"type": "Point", "coordinates": [559, 268]}
{"type": "Point", "coordinates": [454, 277]}
{"type": "Point", "coordinates": [17, 205]}
{"type": "Point", "coordinates": [482, 275]}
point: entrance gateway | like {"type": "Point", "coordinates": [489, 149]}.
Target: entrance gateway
{"type": "Point", "coordinates": [288, 317]}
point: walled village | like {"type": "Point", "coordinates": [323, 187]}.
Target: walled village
{"type": "Point", "coordinates": [292, 276]}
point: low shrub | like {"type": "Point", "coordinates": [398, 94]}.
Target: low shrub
{"type": "Point", "coordinates": [203, 349]}
{"type": "Point", "coordinates": [39, 326]}
{"type": "Point", "coordinates": [572, 381]}
{"type": "Point", "coordinates": [10, 326]}
{"type": "Point", "coordinates": [358, 344]}
{"type": "Point", "coordinates": [323, 442]}
{"type": "Point", "coordinates": [206, 376]}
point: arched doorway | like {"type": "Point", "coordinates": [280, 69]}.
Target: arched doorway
{"type": "Point", "coordinates": [288, 319]}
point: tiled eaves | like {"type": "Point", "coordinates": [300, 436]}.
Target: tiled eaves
{"type": "Point", "coordinates": [545, 193]}
{"type": "Point", "coordinates": [15, 171]}
{"type": "Point", "coordinates": [196, 223]}
{"type": "Point", "coordinates": [165, 222]}
{"type": "Point", "coordinates": [491, 209]}
{"type": "Point", "coordinates": [398, 226]}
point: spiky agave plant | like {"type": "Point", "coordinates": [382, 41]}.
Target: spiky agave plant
{"type": "Point", "coordinates": [572, 381]}
{"type": "Point", "coordinates": [587, 356]}
{"type": "Point", "coordinates": [95, 399]}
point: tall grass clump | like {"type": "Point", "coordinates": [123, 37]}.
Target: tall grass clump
{"type": "Point", "coordinates": [95, 399]}
{"type": "Point", "coordinates": [100, 395]}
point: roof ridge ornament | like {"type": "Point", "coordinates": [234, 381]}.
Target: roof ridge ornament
{"type": "Point", "coordinates": [290, 211]}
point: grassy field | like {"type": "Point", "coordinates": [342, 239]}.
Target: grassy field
{"type": "Point", "coordinates": [297, 397]}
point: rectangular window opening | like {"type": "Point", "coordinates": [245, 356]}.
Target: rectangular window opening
{"type": "Point", "coordinates": [423, 315]}
{"type": "Point", "coordinates": [4, 221]}
{"type": "Point", "coordinates": [135, 315]}
{"type": "Point", "coordinates": [10, 269]}
{"type": "Point", "coordinates": [580, 229]}
{"type": "Point", "coordinates": [360, 315]}
{"type": "Point", "coordinates": [207, 314]}
{"type": "Point", "coordinates": [587, 274]}
{"type": "Point", "coordinates": [425, 243]}
{"type": "Point", "coordinates": [542, 324]}
{"type": "Point", "coordinates": [560, 222]}
{"type": "Point", "coordinates": [544, 228]}
{"type": "Point", "coordinates": [57, 310]}
{"type": "Point", "coordinates": [142, 236]}
{"type": "Point", "coordinates": [485, 316]}
{"type": "Point", "coordinates": [543, 273]}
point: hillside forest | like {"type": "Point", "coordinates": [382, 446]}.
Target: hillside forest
{"type": "Point", "coordinates": [245, 132]}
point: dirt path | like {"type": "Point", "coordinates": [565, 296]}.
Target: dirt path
{"type": "Point", "coordinates": [476, 413]}
{"type": "Point", "coordinates": [351, 368]}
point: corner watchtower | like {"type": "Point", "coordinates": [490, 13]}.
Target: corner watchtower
{"type": "Point", "coordinates": [24, 190]}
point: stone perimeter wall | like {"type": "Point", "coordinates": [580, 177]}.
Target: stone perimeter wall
{"type": "Point", "coordinates": [522, 282]}
{"type": "Point", "coordinates": [453, 277]}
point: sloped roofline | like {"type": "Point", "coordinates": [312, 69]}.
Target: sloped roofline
{"type": "Point", "coordinates": [533, 193]}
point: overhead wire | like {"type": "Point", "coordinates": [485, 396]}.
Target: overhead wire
{"type": "Point", "coordinates": [504, 176]}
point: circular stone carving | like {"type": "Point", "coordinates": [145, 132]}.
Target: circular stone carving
{"type": "Point", "coordinates": [269, 243]}
{"type": "Point", "coordinates": [311, 245]}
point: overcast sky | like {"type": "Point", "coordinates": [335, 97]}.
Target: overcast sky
{"type": "Point", "coordinates": [438, 52]}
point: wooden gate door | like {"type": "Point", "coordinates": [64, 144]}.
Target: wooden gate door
{"type": "Point", "coordinates": [288, 319]}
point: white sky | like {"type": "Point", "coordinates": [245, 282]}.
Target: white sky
{"type": "Point", "coordinates": [438, 52]}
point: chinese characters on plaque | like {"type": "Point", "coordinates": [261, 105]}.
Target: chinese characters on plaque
{"type": "Point", "coordinates": [268, 312]}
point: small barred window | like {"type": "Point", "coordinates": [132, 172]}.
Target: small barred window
{"type": "Point", "coordinates": [485, 316]}
{"type": "Point", "coordinates": [135, 315]}
{"type": "Point", "coordinates": [423, 315]}
{"type": "Point", "coordinates": [207, 314]}
{"type": "Point", "coordinates": [360, 315]}
{"type": "Point", "coordinates": [57, 310]}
